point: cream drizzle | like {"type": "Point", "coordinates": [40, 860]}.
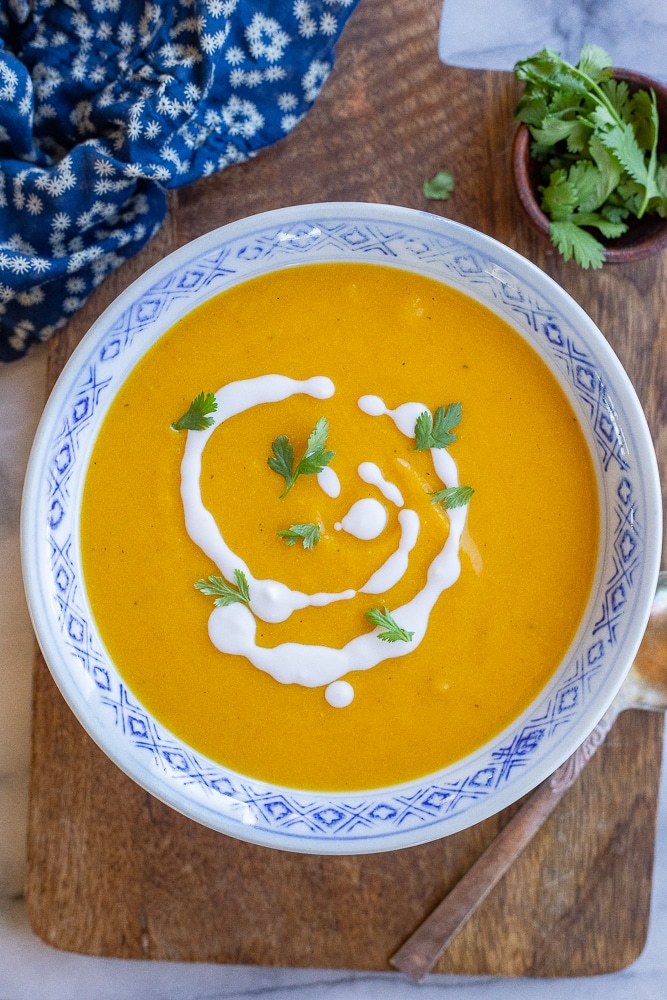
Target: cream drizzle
{"type": "Point", "coordinates": [233, 629]}
{"type": "Point", "coordinates": [371, 473]}
{"type": "Point", "coordinates": [395, 566]}
{"type": "Point", "coordinates": [404, 416]}
{"type": "Point", "coordinates": [270, 600]}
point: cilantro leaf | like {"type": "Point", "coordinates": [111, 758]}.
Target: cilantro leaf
{"type": "Point", "coordinates": [314, 459]}
{"type": "Point", "coordinates": [608, 178]}
{"type": "Point", "coordinates": [309, 534]}
{"type": "Point", "coordinates": [559, 199]}
{"type": "Point", "coordinates": [393, 631]}
{"type": "Point", "coordinates": [613, 212]}
{"type": "Point", "coordinates": [282, 460]}
{"type": "Point", "coordinates": [225, 593]}
{"type": "Point", "coordinates": [539, 68]}
{"type": "Point", "coordinates": [610, 229]}
{"type": "Point", "coordinates": [618, 93]}
{"type": "Point", "coordinates": [620, 140]}
{"type": "Point", "coordinates": [587, 180]}
{"type": "Point", "coordinates": [571, 240]}
{"type": "Point", "coordinates": [579, 138]}
{"type": "Point", "coordinates": [643, 117]}
{"type": "Point", "coordinates": [532, 108]}
{"type": "Point", "coordinates": [595, 62]}
{"type": "Point", "coordinates": [436, 432]}
{"type": "Point", "coordinates": [661, 181]}
{"type": "Point", "coordinates": [195, 417]}
{"type": "Point", "coordinates": [552, 130]}
{"type": "Point", "coordinates": [439, 187]}
{"type": "Point", "coordinates": [452, 496]}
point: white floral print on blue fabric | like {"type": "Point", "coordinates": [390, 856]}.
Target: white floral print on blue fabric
{"type": "Point", "coordinates": [106, 104]}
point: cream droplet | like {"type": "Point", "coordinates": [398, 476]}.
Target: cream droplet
{"type": "Point", "coordinates": [329, 482]}
{"type": "Point", "coordinates": [372, 405]}
{"type": "Point", "coordinates": [339, 694]}
{"type": "Point", "coordinates": [365, 519]}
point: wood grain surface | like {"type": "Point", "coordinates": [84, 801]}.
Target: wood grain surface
{"type": "Point", "coordinates": [113, 872]}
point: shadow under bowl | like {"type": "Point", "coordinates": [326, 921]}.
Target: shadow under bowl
{"type": "Point", "coordinates": [645, 236]}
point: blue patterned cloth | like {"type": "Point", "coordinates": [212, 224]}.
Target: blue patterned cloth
{"type": "Point", "coordinates": [105, 104]}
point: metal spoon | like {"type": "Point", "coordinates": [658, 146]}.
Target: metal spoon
{"type": "Point", "coordinates": [644, 687]}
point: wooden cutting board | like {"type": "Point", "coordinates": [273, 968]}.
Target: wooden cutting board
{"type": "Point", "coordinates": [113, 872]}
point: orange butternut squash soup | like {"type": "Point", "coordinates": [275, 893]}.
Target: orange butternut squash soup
{"type": "Point", "coordinates": [377, 619]}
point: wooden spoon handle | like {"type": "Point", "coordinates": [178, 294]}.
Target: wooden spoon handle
{"type": "Point", "coordinates": [417, 956]}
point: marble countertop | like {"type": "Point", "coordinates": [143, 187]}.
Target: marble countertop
{"type": "Point", "coordinates": [475, 34]}
{"type": "Point", "coordinates": [485, 34]}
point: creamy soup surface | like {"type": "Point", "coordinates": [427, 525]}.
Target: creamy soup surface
{"type": "Point", "coordinates": [493, 591]}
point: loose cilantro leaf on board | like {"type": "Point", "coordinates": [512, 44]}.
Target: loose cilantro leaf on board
{"type": "Point", "coordinates": [393, 631]}
{"type": "Point", "coordinates": [439, 187]}
{"type": "Point", "coordinates": [196, 416]}
{"type": "Point", "coordinates": [596, 145]}
{"type": "Point", "coordinates": [315, 458]}
{"type": "Point", "coordinates": [436, 432]}
{"type": "Point", "coordinates": [225, 593]}
{"type": "Point", "coordinates": [452, 496]}
{"type": "Point", "coordinates": [309, 534]}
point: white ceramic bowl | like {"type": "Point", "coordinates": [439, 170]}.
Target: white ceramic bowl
{"type": "Point", "coordinates": [581, 688]}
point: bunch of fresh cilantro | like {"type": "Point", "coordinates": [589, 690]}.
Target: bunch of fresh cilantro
{"type": "Point", "coordinates": [596, 144]}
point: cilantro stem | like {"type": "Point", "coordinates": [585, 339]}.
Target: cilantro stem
{"type": "Point", "coordinates": [606, 103]}
{"type": "Point", "coordinates": [601, 96]}
{"type": "Point", "coordinates": [653, 158]}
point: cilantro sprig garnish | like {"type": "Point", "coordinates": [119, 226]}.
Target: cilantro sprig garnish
{"type": "Point", "coordinates": [196, 416]}
{"type": "Point", "coordinates": [309, 534]}
{"type": "Point", "coordinates": [436, 432]}
{"type": "Point", "coordinates": [225, 593]}
{"type": "Point", "coordinates": [393, 631]}
{"type": "Point", "coordinates": [452, 496]}
{"type": "Point", "coordinates": [597, 146]}
{"type": "Point", "coordinates": [315, 458]}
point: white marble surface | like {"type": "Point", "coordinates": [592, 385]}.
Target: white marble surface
{"type": "Point", "coordinates": [488, 34]}
{"type": "Point", "coordinates": [475, 33]}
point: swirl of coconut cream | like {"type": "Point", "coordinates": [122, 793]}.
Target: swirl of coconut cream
{"type": "Point", "coordinates": [232, 629]}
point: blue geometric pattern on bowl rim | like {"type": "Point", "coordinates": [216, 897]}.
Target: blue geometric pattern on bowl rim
{"type": "Point", "coordinates": [543, 736]}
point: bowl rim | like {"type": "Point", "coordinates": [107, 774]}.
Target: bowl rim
{"type": "Point", "coordinates": [238, 821]}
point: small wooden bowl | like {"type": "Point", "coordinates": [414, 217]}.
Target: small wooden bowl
{"type": "Point", "coordinates": [644, 236]}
